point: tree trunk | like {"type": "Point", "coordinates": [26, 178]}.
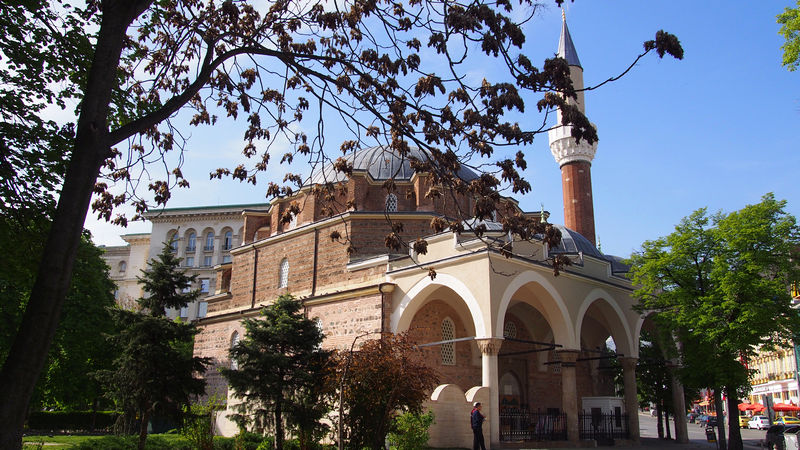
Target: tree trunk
{"type": "Point", "coordinates": [278, 426]}
{"type": "Point", "coordinates": [28, 352]}
{"type": "Point", "coordinates": [143, 428]}
{"type": "Point", "coordinates": [723, 442]}
{"type": "Point", "coordinates": [735, 439]}
{"type": "Point", "coordinates": [660, 426]}
{"type": "Point", "coordinates": [666, 422]}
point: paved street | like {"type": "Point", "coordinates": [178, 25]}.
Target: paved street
{"type": "Point", "coordinates": [697, 436]}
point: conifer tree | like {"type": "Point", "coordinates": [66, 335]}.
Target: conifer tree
{"type": "Point", "coordinates": [154, 373]}
{"type": "Point", "coordinates": [278, 366]}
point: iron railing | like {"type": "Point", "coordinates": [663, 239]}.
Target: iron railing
{"type": "Point", "coordinates": [603, 427]}
{"type": "Point", "coordinates": [520, 425]}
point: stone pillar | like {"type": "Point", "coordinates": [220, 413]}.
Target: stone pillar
{"type": "Point", "coordinates": [631, 399]}
{"type": "Point", "coordinates": [490, 347]}
{"type": "Point", "coordinates": [679, 407]}
{"type": "Point", "coordinates": [569, 392]}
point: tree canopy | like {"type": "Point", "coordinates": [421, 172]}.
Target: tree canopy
{"type": "Point", "coordinates": [790, 30]}
{"type": "Point", "coordinates": [165, 285]}
{"type": "Point", "coordinates": [279, 364]}
{"type": "Point", "coordinates": [720, 283]}
{"type": "Point", "coordinates": [389, 73]}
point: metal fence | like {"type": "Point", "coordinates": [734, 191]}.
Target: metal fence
{"type": "Point", "coordinates": [518, 425]}
{"type": "Point", "coordinates": [604, 427]}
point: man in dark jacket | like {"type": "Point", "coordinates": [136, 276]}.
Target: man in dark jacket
{"type": "Point", "coordinates": [476, 420]}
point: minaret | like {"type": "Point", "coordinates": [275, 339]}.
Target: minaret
{"type": "Point", "coordinates": [575, 159]}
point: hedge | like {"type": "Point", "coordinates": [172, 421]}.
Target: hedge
{"type": "Point", "coordinates": [72, 420]}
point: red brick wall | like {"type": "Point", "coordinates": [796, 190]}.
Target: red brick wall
{"type": "Point", "coordinates": [214, 341]}
{"type": "Point", "coordinates": [576, 182]}
{"type": "Point", "coordinates": [426, 326]}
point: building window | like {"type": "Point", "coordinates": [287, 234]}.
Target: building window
{"type": "Point", "coordinates": [226, 259]}
{"type": "Point", "coordinates": [449, 348]}
{"type": "Point", "coordinates": [391, 203]}
{"type": "Point", "coordinates": [190, 261]}
{"type": "Point", "coordinates": [202, 309]}
{"type": "Point", "coordinates": [123, 266]}
{"type": "Point", "coordinates": [209, 242]}
{"type": "Point", "coordinates": [510, 330]}
{"type": "Point", "coordinates": [207, 261]}
{"type": "Point", "coordinates": [227, 243]}
{"type": "Point", "coordinates": [191, 245]}
{"type": "Point", "coordinates": [283, 275]}
{"type": "Point", "coordinates": [234, 341]}
{"type": "Point", "coordinates": [173, 242]}
{"type": "Point", "coordinates": [204, 283]}
{"type": "Point", "coordinates": [184, 312]}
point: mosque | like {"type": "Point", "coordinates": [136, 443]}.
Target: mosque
{"type": "Point", "coordinates": [528, 345]}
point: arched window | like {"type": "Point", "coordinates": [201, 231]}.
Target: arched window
{"type": "Point", "coordinates": [209, 241]}
{"type": "Point", "coordinates": [283, 274]}
{"type": "Point", "coordinates": [391, 203]}
{"type": "Point", "coordinates": [191, 242]}
{"type": "Point", "coordinates": [510, 330]}
{"type": "Point", "coordinates": [173, 242]}
{"type": "Point", "coordinates": [227, 243]}
{"type": "Point", "coordinates": [123, 266]}
{"type": "Point", "coordinates": [234, 341]}
{"type": "Point", "coordinates": [448, 349]}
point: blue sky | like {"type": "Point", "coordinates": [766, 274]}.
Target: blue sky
{"type": "Point", "coordinates": [719, 129]}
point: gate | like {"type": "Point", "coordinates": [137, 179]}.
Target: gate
{"type": "Point", "coordinates": [604, 427]}
{"type": "Point", "coordinates": [518, 425]}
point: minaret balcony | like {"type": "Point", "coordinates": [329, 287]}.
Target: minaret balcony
{"type": "Point", "coordinates": [566, 150]}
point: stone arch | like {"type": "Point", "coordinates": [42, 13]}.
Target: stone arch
{"type": "Point", "coordinates": [613, 315]}
{"type": "Point", "coordinates": [553, 308]}
{"type": "Point", "coordinates": [416, 297]}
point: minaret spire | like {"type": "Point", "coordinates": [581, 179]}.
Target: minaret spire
{"type": "Point", "coordinates": [574, 159]}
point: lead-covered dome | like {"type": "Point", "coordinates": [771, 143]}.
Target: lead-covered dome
{"type": "Point", "coordinates": [381, 164]}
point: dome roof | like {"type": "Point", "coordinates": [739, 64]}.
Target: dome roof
{"type": "Point", "coordinates": [574, 242]}
{"type": "Point", "coordinates": [381, 164]}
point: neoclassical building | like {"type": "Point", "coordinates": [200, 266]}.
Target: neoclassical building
{"type": "Point", "coordinates": [502, 330]}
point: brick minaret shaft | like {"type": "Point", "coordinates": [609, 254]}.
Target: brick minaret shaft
{"type": "Point", "coordinates": [575, 159]}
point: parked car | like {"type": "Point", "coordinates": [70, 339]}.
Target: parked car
{"type": "Point", "coordinates": [787, 420]}
{"type": "Point", "coordinates": [758, 422]}
{"type": "Point", "coordinates": [743, 420]}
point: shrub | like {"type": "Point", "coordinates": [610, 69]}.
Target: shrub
{"type": "Point", "coordinates": [198, 423]}
{"type": "Point", "coordinates": [132, 442]}
{"type": "Point", "coordinates": [246, 440]}
{"type": "Point", "coordinates": [410, 431]}
{"type": "Point", "coordinates": [72, 420]}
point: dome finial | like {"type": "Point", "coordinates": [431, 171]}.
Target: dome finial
{"type": "Point", "coordinates": [563, 15]}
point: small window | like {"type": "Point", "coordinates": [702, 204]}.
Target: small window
{"type": "Point", "coordinates": [226, 259]}
{"type": "Point", "coordinates": [449, 348]}
{"type": "Point", "coordinates": [202, 309]}
{"type": "Point", "coordinates": [234, 341]}
{"type": "Point", "coordinates": [204, 283]}
{"type": "Point", "coordinates": [391, 203]}
{"type": "Point", "coordinates": [207, 261]}
{"type": "Point", "coordinates": [227, 243]}
{"type": "Point", "coordinates": [510, 330]}
{"type": "Point", "coordinates": [283, 275]}
{"type": "Point", "coordinates": [123, 266]}
{"type": "Point", "coordinates": [184, 312]}
{"type": "Point", "coordinates": [191, 243]}
{"type": "Point", "coordinates": [209, 242]}
{"type": "Point", "coordinates": [190, 261]}
{"type": "Point", "coordinates": [173, 242]}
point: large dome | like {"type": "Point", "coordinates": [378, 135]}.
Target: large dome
{"type": "Point", "coordinates": [381, 164]}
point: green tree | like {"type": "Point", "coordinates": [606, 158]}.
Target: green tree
{"type": "Point", "coordinates": [133, 65]}
{"type": "Point", "coordinates": [277, 366]}
{"type": "Point", "coordinates": [155, 372]}
{"type": "Point", "coordinates": [790, 29]}
{"type": "Point", "coordinates": [720, 283]}
{"type": "Point", "coordinates": [410, 431]}
{"type": "Point", "coordinates": [165, 284]}
{"type": "Point", "coordinates": [385, 377]}
{"type": "Point", "coordinates": [78, 345]}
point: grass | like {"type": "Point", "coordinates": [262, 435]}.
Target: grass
{"type": "Point", "coordinates": [66, 441]}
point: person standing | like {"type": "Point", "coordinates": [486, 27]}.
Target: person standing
{"type": "Point", "coordinates": [476, 421]}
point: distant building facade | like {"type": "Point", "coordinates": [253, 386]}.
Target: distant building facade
{"type": "Point", "coordinates": [201, 236]}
